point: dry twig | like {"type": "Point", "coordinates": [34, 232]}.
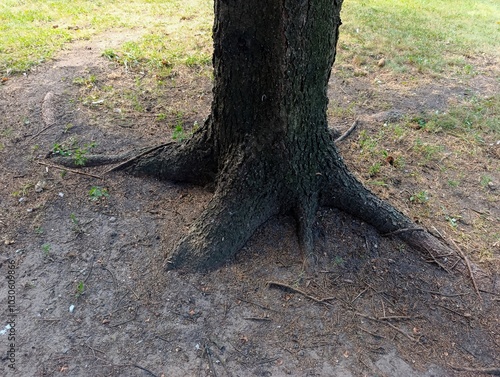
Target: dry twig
{"type": "Point", "coordinates": [297, 290]}
{"type": "Point", "coordinates": [384, 321]}
{"type": "Point", "coordinates": [257, 319]}
{"type": "Point", "coordinates": [469, 268]}
{"type": "Point", "coordinates": [68, 169]}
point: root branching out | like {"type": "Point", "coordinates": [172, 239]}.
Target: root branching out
{"type": "Point", "coordinates": [248, 192]}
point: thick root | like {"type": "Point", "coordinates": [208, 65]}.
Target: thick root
{"type": "Point", "coordinates": [243, 201]}
{"type": "Point", "coordinates": [346, 193]}
{"type": "Point", "coordinates": [193, 161]}
{"type": "Point", "coordinates": [306, 216]}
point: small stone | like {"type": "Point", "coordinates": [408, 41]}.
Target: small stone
{"type": "Point", "coordinates": [71, 308]}
{"type": "Point", "coordinates": [112, 219]}
{"type": "Point", "coordinates": [381, 63]}
{"type": "Point", "coordinates": [40, 186]}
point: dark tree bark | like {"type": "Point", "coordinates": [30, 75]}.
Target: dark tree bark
{"type": "Point", "coordinates": [266, 146]}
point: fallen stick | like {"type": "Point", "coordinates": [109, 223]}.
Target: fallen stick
{"type": "Point", "coordinates": [68, 169]}
{"type": "Point", "coordinates": [381, 320]}
{"type": "Point", "coordinates": [297, 290]}
{"type": "Point", "coordinates": [469, 268]}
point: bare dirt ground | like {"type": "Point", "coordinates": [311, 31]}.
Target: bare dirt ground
{"type": "Point", "coordinates": [91, 296]}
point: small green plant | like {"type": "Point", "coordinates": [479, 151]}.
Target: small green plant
{"type": "Point", "coordinates": [453, 183]}
{"type": "Point", "coordinates": [7, 133]}
{"type": "Point", "coordinates": [420, 197]}
{"type": "Point", "coordinates": [61, 150]}
{"type": "Point", "coordinates": [374, 169]}
{"type": "Point", "coordinates": [338, 261]}
{"type": "Point", "coordinates": [80, 288]}
{"type": "Point", "coordinates": [68, 127]}
{"type": "Point", "coordinates": [46, 249]}
{"type": "Point", "coordinates": [23, 190]}
{"type": "Point", "coordinates": [420, 122]}
{"type": "Point", "coordinates": [78, 153]}
{"type": "Point", "coordinates": [452, 220]}
{"type": "Point", "coordinates": [39, 230]}
{"type": "Point", "coordinates": [366, 142]}
{"type": "Point", "coordinates": [89, 81]}
{"type": "Point", "coordinates": [429, 151]}
{"type": "Point", "coordinates": [97, 193]}
{"type": "Point", "coordinates": [77, 228]}
{"type": "Point", "coordinates": [485, 181]}
{"type": "Point", "coordinates": [110, 54]}
{"type": "Point", "coordinates": [178, 133]}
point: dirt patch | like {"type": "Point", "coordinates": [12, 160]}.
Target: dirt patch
{"type": "Point", "coordinates": [91, 296]}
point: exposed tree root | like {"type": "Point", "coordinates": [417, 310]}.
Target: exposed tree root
{"type": "Point", "coordinates": [346, 193]}
{"type": "Point", "coordinates": [432, 248]}
{"type": "Point", "coordinates": [347, 133]}
{"type": "Point", "coordinates": [306, 215]}
{"type": "Point", "coordinates": [494, 371]}
{"type": "Point", "coordinates": [243, 201]}
{"type": "Point", "coordinates": [248, 194]}
{"type": "Point", "coordinates": [193, 161]}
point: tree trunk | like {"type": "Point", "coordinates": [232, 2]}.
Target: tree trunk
{"type": "Point", "coordinates": [266, 145]}
{"type": "Point", "coordinates": [272, 62]}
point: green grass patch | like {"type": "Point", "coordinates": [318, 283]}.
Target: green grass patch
{"type": "Point", "coordinates": [424, 35]}
{"type": "Point", "coordinates": [478, 116]}
{"type": "Point", "coordinates": [32, 31]}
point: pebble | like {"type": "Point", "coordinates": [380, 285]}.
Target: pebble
{"type": "Point", "coordinates": [40, 186]}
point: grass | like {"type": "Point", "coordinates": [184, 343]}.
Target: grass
{"type": "Point", "coordinates": [436, 36]}
{"type": "Point", "coordinates": [477, 116]}
{"type": "Point", "coordinates": [32, 31]}
{"type": "Point", "coordinates": [423, 35]}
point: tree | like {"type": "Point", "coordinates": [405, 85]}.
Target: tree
{"type": "Point", "coordinates": [266, 147]}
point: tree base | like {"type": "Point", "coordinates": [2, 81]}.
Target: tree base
{"type": "Point", "coordinates": [248, 192]}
